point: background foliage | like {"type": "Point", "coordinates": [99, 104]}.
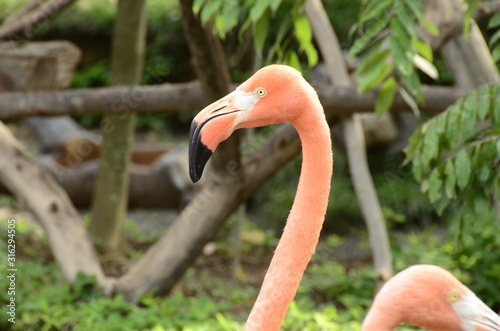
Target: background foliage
{"type": "Point", "coordinates": [392, 51]}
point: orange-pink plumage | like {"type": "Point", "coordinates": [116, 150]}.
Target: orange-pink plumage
{"type": "Point", "coordinates": [276, 94]}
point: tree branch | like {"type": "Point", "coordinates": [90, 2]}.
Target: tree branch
{"type": "Point", "coordinates": [186, 97]}
{"type": "Point", "coordinates": [30, 15]}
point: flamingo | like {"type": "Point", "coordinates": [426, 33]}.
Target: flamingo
{"type": "Point", "coordinates": [276, 94]}
{"type": "Point", "coordinates": [430, 297]}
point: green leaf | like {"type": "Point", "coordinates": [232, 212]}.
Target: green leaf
{"type": "Point", "coordinates": [451, 180]}
{"type": "Point", "coordinates": [494, 21]}
{"type": "Point", "coordinates": [483, 105]}
{"type": "Point", "coordinates": [257, 10]}
{"type": "Point", "coordinates": [226, 21]}
{"type": "Point", "coordinates": [484, 173]}
{"type": "Point", "coordinates": [453, 121]}
{"type": "Point", "coordinates": [402, 58]}
{"type": "Point", "coordinates": [430, 150]}
{"type": "Point", "coordinates": [495, 93]}
{"type": "Point", "coordinates": [468, 120]}
{"type": "Point", "coordinates": [293, 60]}
{"type": "Point", "coordinates": [304, 35]}
{"type": "Point", "coordinates": [463, 169]}
{"type": "Point", "coordinates": [496, 54]}
{"type": "Point", "coordinates": [302, 29]}
{"type": "Point", "coordinates": [435, 183]}
{"type": "Point", "coordinates": [410, 101]}
{"type": "Point", "coordinates": [430, 27]}
{"type": "Point", "coordinates": [441, 205]}
{"type": "Point", "coordinates": [423, 49]}
{"type": "Point", "coordinates": [416, 7]}
{"type": "Point", "coordinates": [197, 4]}
{"type": "Point", "coordinates": [399, 32]}
{"type": "Point", "coordinates": [244, 27]}
{"type": "Point", "coordinates": [373, 77]}
{"type": "Point", "coordinates": [424, 186]}
{"type": "Point", "coordinates": [413, 146]}
{"type": "Point", "coordinates": [375, 10]}
{"type": "Point", "coordinates": [366, 39]}
{"type": "Point", "coordinates": [209, 10]}
{"type": "Point", "coordinates": [494, 38]}
{"type": "Point", "coordinates": [311, 52]}
{"type": "Point", "coordinates": [412, 82]}
{"type": "Point", "coordinates": [260, 30]}
{"type": "Point", "coordinates": [274, 5]}
{"type": "Point", "coordinates": [404, 15]}
{"type": "Point", "coordinates": [386, 96]}
{"type": "Point", "coordinates": [374, 57]}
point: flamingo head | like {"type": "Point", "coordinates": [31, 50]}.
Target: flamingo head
{"type": "Point", "coordinates": [274, 94]}
{"type": "Point", "coordinates": [430, 297]}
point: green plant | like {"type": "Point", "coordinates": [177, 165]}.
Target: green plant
{"type": "Point", "coordinates": [455, 157]}
{"type": "Point", "coordinates": [389, 43]}
{"type": "Point", "coordinates": [283, 16]}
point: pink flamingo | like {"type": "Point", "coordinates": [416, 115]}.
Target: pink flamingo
{"type": "Point", "coordinates": [429, 297]}
{"type": "Point", "coordinates": [277, 94]}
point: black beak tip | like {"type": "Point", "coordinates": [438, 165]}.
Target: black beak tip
{"type": "Point", "coordinates": [195, 176]}
{"type": "Point", "coordinates": [199, 154]}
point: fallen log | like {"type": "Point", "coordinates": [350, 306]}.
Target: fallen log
{"type": "Point", "coordinates": [162, 183]}
{"type": "Point", "coordinates": [187, 97]}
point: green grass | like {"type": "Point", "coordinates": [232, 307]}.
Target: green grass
{"type": "Point", "coordinates": [331, 296]}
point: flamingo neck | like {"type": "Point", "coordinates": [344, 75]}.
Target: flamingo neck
{"type": "Point", "coordinates": [380, 320]}
{"type": "Point", "coordinates": [303, 226]}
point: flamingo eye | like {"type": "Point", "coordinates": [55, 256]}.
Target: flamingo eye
{"type": "Point", "coordinates": [453, 296]}
{"type": "Point", "coordinates": [260, 92]}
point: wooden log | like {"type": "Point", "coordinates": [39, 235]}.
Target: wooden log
{"type": "Point", "coordinates": [37, 65]}
{"type": "Point", "coordinates": [157, 178]}
{"type": "Point", "coordinates": [63, 137]}
{"type": "Point", "coordinates": [51, 207]}
{"type": "Point", "coordinates": [187, 97]}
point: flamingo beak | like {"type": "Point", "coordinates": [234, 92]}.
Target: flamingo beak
{"type": "Point", "coordinates": [211, 126]}
{"type": "Point", "coordinates": [199, 153]}
{"type": "Point", "coordinates": [477, 313]}
{"type": "Point", "coordinates": [488, 321]}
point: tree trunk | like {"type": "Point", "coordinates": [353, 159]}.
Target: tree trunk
{"type": "Point", "coordinates": [110, 199]}
{"type": "Point", "coordinates": [166, 261]}
{"type": "Point", "coordinates": [356, 149]}
{"type": "Point", "coordinates": [209, 62]}
{"type": "Point", "coordinates": [67, 237]}
{"type": "Point", "coordinates": [468, 58]}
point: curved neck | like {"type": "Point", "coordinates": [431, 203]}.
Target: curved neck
{"type": "Point", "coordinates": [380, 320]}
{"type": "Point", "coordinates": [303, 225]}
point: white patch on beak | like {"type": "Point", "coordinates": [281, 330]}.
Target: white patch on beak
{"type": "Point", "coordinates": [244, 100]}
{"type": "Point", "coordinates": [473, 312]}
